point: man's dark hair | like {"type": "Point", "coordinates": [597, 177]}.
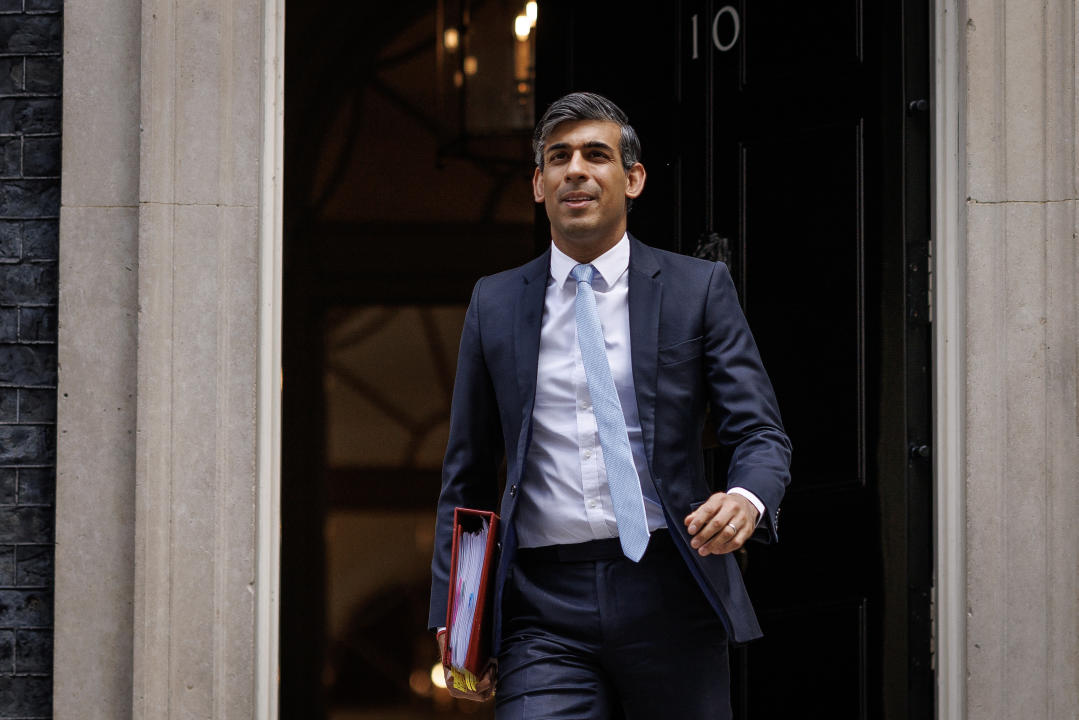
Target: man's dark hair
{"type": "Point", "coordinates": [587, 106]}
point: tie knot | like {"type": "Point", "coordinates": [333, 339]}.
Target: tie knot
{"type": "Point", "coordinates": [583, 273]}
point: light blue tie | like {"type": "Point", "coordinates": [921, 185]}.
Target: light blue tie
{"type": "Point", "coordinates": [613, 438]}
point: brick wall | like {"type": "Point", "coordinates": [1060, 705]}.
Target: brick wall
{"type": "Point", "coordinates": [30, 53]}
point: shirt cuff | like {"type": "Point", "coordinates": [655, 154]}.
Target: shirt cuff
{"type": "Point", "coordinates": [752, 498]}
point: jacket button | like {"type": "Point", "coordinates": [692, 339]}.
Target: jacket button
{"type": "Point", "coordinates": [513, 491]}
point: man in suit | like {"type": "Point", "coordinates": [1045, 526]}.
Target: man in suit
{"type": "Point", "coordinates": [591, 370]}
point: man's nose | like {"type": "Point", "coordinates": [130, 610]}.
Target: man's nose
{"type": "Point", "coordinates": [577, 167]}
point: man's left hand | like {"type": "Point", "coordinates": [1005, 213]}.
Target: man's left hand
{"type": "Point", "coordinates": [722, 524]}
{"type": "Point", "coordinates": [485, 685]}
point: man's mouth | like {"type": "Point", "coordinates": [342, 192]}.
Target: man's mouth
{"type": "Point", "coordinates": [576, 199]}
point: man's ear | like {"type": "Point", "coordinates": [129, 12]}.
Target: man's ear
{"type": "Point", "coordinates": [537, 185]}
{"type": "Point", "coordinates": [635, 181]}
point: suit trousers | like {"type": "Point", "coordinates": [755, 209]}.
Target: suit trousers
{"type": "Point", "coordinates": [607, 638]}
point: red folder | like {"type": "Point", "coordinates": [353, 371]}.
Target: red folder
{"type": "Point", "coordinates": [478, 654]}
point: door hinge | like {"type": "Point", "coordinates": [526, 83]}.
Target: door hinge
{"type": "Point", "coordinates": [933, 628]}
{"type": "Point", "coordinates": [929, 281]}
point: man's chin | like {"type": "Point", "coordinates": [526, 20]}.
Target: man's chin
{"type": "Point", "coordinates": [582, 230]}
{"type": "Point", "coordinates": [581, 236]}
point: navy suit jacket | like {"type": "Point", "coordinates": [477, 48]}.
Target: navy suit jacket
{"type": "Point", "coordinates": [691, 348]}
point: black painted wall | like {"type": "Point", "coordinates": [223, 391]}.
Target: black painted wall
{"type": "Point", "coordinates": [30, 54]}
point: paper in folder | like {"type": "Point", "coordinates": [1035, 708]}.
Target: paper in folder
{"type": "Point", "coordinates": [468, 612]}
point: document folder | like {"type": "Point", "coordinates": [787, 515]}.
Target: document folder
{"type": "Point", "coordinates": [468, 611]}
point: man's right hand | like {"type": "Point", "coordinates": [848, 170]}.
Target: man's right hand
{"type": "Point", "coordinates": [485, 685]}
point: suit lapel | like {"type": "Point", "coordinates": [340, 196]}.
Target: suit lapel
{"type": "Point", "coordinates": [529, 317]}
{"type": "Point", "coordinates": [645, 296]}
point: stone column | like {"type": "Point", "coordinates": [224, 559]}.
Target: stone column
{"type": "Point", "coordinates": [171, 225]}
{"type": "Point", "coordinates": [95, 493]}
{"type": "Point", "coordinates": [1021, 347]}
{"type": "Point", "coordinates": [199, 251]}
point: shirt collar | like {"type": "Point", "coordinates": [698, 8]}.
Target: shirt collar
{"type": "Point", "coordinates": [609, 266]}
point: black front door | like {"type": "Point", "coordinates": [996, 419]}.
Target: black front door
{"type": "Point", "coordinates": [787, 139]}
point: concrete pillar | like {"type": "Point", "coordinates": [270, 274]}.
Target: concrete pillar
{"type": "Point", "coordinates": [96, 408]}
{"type": "Point", "coordinates": [1021, 457]}
{"type": "Point", "coordinates": [170, 234]}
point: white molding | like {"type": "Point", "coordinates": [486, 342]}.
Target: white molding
{"type": "Point", "coordinates": [949, 232]}
{"type": "Point", "coordinates": [268, 471]}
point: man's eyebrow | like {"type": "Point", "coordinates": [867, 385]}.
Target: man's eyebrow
{"type": "Point", "coordinates": [589, 144]}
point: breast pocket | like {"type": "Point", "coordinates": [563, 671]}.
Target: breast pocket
{"type": "Point", "coordinates": [681, 352]}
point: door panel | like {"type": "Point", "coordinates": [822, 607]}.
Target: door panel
{"type": "Point", "coordinates": [791, 178]}
{"type": "Point", "coordinates": [802, 258]}
{"type": "Point", "coordinates": [799, 42]}
{"type": "Point", "coordinates": [811, 687]}
{"type": "Point", "coordinates": [776, 138]}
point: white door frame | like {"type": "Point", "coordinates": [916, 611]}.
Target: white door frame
{"type": "Point", "coordinates": [949, 636]}
{"type": "Point", "coordinates": [270, 377]}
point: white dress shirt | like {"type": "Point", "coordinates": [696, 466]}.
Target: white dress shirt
{"type": "Point", "coordinates": [565, 498]}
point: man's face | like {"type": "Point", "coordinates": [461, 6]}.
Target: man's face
{"type": "Point", "coordinates": [584, 186]}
